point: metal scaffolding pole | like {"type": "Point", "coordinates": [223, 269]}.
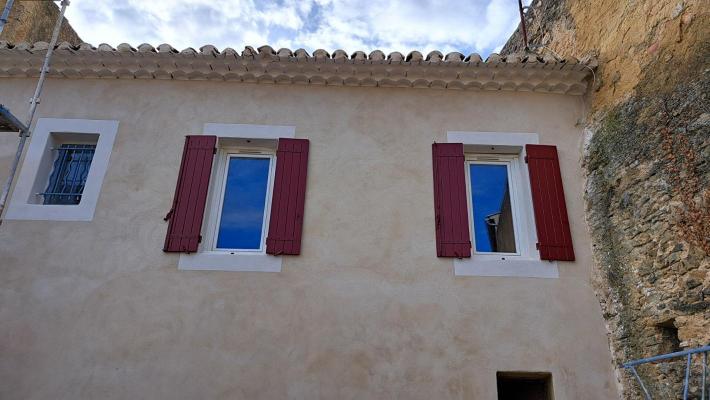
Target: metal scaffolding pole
{"type": "Point", "coordinates": [34, 101]}
{"type": "Point", "coordinates": [5, 14]}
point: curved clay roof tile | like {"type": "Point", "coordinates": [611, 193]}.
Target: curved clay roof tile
{"type": "Point", "coordinates": [377, 55]}
{"type": "Point", "coordinates": [266, 50]}
{"type": "Point", "coordinates": [146, 48]}
{"type": "Point", "coordinates": [230, 51]}
{"type": "Point", "coordinates": [494, 58]}
{"type": "Point", "coordinates": [249, 52]}
{"type": "Point", "coordinates": [395, 56]}
{"type": "Point", "coordinates": [105, 47]}
{"type": "Point", "coordinates": [515, 58]}
{"type": "Point", "coordinates": [66, 46]}
{"type": "Point", "coordinates": [320, 54]}
{"type": "Point", "coordinates": [568, 76]}
{"type": "Point", "coordinates": [434, 56]}
{"type": "Point", "coordinates": [166, 48]}
{"type": "Point", "coordinates": [38, 46]}
{"type": "Point", "coordinates": [473, 58]}
{"type": "Point", "coordinates": [209, 50]}
{"type": "Point", "coordinates": [284, 52]}
{"type": "Point", "coordinates": [301, 53]}
{"type": "Point", "coordinates": [340, 55]}
{"type": "Point", "coordinates": [125, 48]}
{"type": "Point", "coordinates": [358, 55]}
{"type": "Point", "coordinates": [86, 46]}
{"type": "Point", "coordinates": [454, 56]}
{"type": "Point", "coordinates": [414, 56]}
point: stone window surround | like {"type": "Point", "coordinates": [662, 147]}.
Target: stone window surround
{"type": "Point", "coordinates": [528, 265]}
{"type": "Point", "coordinates": [35, 166]}
{"type": "Point", "coordinates": [209, 260]}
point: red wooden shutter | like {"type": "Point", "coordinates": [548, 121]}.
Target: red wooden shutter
{"type": "Point", "coordinates": [453, 239]}
{"type": "Point", "coordinates": [288, 200]}
{"type": "Point", "coordinates": [553, 233]}
{"type": "Point", "coordinates": [190, 194]}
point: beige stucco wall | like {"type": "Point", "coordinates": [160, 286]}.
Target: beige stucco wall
{"type": "Point", "coordinates": [97, 310]}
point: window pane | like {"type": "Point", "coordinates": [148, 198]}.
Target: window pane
{"type": "Point", "coordinates": [242, 216]}
{"type": "Point", "coordinates": [492, 214]}
{"type": "Point", "coordinates": [68, 177]}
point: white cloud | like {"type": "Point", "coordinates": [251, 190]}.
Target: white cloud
{"type": "Point", "coordinates": [402, 25]}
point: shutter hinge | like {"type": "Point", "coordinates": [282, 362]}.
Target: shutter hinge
{"type": "Point", "coordinates": [199, 239]}
{"type": "Point", "coordinates": [214, 150]}
{"type": "Point", "coordinates": [537, 246]}
{"type": "Point", "coordinates": [169, 214]}
{"type": "Point", "coordinates": [526, 159]}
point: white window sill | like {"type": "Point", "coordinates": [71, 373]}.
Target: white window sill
{"type": "Point", "coordinates": [220, 261]}
{"type": "Point", "coordinates": [506, 268]}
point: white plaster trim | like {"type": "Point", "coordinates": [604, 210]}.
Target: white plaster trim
{"type": "Point", "coordinates": [223, 261]}
{"type": "Point", "coordinates": [492, 138]}
{"type": "Point", "coordinates": [21, 209]}
{"type": "Point", "coordinates": [506, 268]}
{"type": "Point", "coordinates": [528, 263]}
{"type": "Point", "coordinates": [207, 259]}
{"type": "Point", "coordinates": [249, 131]}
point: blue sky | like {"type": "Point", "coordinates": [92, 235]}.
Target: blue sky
{"type": "Point", "coordinates": [468, 26]}
{"type": "Point", "coordinates": [242, 216]}
{"type": "Point", "coordinates": [488, 186]}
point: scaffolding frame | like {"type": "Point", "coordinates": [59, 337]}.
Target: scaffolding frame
{"type": "Point", "coordinates": [24, 129]}
{"type": "Point", "coordinates": [688, 354]}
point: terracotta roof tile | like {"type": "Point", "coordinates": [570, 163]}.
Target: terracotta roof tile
{"type": "Point", "coordinates": [542, 73]}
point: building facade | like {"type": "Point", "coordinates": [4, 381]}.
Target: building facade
{"type": "Point", "coordinates": [337, 227]}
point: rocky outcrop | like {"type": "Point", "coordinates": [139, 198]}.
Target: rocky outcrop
{"type": "Point", "coordinates": [647, 161]}
{"type": "Point", "coordinates": [33, 21]}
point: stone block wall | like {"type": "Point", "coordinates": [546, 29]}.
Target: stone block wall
{"type": "Point", "coordinates": [647, 161]}
{"type": "Point", "coordinates": [33, 21]}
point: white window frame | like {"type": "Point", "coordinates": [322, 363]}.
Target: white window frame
{"type": "Point", "coordinates": [225, 154]}
{"type": "Point", "coordinates": [36, 168]}
{"type": "Point", "coordinates": [207, 256]}
{"type": "Point", "coordinates": [498, 147]}
{"type": "Point", "coordinates": [512, 169]}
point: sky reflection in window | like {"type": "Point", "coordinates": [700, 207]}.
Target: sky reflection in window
{"type": "Point", "coordinates": [492, 213]}
{"type": "Point", "coordinates": [242, 218]}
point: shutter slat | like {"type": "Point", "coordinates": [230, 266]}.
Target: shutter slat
{"type": "Point", "coordinates": [278, 194]}
{"type": "Point", "coordinates": [202, 178]}
{"type": "Point", "coordinates": [292, 201]}
{"type": "Point", "coordinates": [453, 238]}
{"type": "Point", "coordinates": [461, 208]}
{"type": "Point", "coordinates": [185, 217]}
{"type": "Point", "coordinates": [551, 219]}
{"type": "Point", "coordinates": [288, 201]}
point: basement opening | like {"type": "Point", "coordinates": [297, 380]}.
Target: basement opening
{"type": "Point", "coordinates": [524, 385]}
{"type": "Point", "coordinates": [670, 342]}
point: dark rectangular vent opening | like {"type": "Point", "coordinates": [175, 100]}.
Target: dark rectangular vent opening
{"type": "Point", "coordinates": [524, 385]}
{"type": "Point", "coordinates": [670, 342]}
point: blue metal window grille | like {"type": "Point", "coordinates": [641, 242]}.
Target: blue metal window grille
{"type": "Point", "coordinates": [71, 167]}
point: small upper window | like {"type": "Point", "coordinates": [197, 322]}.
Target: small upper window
{"type": "Point", "coordinates": [243, 210]}
{"type": "Point", "coordinates": [492, 206]}
{"type": "Point", "coordinates": [63, 170]}
{"type": "Point", "coordinates": [69, 173]}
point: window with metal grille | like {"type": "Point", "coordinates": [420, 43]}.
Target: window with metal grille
{"type": "Point", "coordinates": [68, 177]}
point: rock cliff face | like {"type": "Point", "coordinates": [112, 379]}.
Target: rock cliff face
{"type": "Point", "coordinates": [33, 21]}
{"type": "Point", "coordinates": [647, 161]}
